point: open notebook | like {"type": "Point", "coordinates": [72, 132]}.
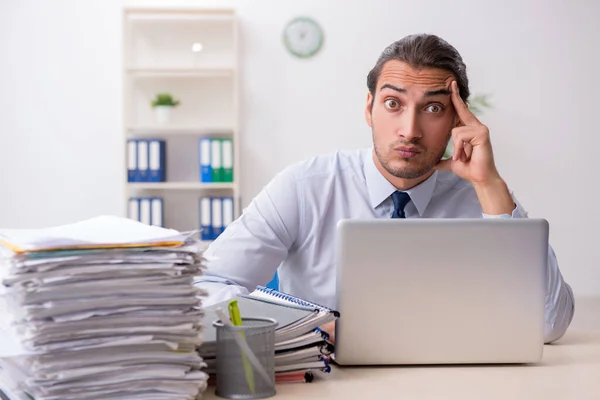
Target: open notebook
{"type": "Point", "coordinates": [298, 320]}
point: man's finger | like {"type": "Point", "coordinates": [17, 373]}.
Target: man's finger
{"type": "Point", "coordinates": [329, 328]}
{"type": "Point", "coordinates": [458, 148]}
{"type": "Point", "coordinates": [463, 112]}
{"type": "Point", "coordinates": [468, 149]}
{"type": "Point", "coordinates": [464, 134]}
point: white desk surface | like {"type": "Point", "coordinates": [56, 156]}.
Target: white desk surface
{"type": "Point", "coordinates": [570, 369]}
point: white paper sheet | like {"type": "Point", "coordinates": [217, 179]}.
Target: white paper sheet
{"type": "Point", "coordinates": [101, 230]}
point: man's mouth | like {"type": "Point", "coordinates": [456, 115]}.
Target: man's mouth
{"type": "Point", "coordinates": [407, 152]}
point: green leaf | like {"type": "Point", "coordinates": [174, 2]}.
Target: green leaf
{"type": "Point", "coordinates": [478, 103]}
{"type": "Point", "coordinates": [164, 99]}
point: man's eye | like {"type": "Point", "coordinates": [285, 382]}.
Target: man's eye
{"type": "Point", "coordinates": [434, 108]}
{"type": "Point", "coordinates": [391, 103]}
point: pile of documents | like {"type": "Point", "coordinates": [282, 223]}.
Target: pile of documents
{"type": "Point", "coordinates": [100, 309]}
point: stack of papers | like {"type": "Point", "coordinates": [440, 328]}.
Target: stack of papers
{"type": "Point", "coordinates": [101, 309]}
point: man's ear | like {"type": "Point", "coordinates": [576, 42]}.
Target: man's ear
{"type": "Point", "coordinates": [368, 109]}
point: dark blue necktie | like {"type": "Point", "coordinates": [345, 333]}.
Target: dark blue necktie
{"type": "Point", "coordinates": [400, 199]}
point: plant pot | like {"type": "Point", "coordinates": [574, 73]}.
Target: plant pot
{"type": "Point", "coordinates": [163, 114]}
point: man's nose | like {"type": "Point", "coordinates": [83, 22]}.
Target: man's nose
{"type": "Point", "coordinates": [409, 127]}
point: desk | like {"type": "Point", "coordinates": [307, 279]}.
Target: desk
{"type": "Point", "coordinates": [570, 369]}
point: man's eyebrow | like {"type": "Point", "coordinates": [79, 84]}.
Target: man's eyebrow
{"type": "Point", "coordinates": [397, 89]}
{"type": "Point", "coordinates": [429, 93]}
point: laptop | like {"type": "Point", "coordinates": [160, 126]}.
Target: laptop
{"type": "Point", "coordinates": [440, 291]}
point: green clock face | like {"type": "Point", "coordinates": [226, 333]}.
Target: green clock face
{"type": "Point", "coordinates": [303, 37]}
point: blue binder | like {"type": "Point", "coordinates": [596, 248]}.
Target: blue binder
{"type": "Point", "coordinates": [143, 158]}
{"type": "Point", "coordinates": [205, 210]}
{"type": "Point", "coordinates": [228, 215]}
{"type": "Point", "coordinates": [132, 161]}
{"type": "Point", "coordinates": [204, 156]}
{"type": "Point", "coordinates": [133, 209]}
{"type": "Point", "coordinates": [157, 160]}
{"type": "Point", "coordinates": [217, 216]}
{"type": "Point", "coordinates": [157, 212]}
{"type": "Point", "coordinates": [146, 210]}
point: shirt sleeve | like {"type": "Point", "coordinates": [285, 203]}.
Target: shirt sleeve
{"type": "Point", "coordinates": [252, 247]}
{"type": "Point", "coordinates": [560, 302]}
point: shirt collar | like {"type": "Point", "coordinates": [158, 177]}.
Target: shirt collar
{"type": "Point", "coordinates": [380, 188]}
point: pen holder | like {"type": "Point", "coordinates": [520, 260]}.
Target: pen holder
{"type": "Point", "coordinates": [232, 378]}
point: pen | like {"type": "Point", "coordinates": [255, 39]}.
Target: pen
{"type": "Point", "coordinates": [236, 319]}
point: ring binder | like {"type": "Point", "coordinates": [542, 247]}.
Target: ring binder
{"type": "Point", "coordinates": [293, 299]}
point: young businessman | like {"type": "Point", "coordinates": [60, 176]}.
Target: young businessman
{"type": "Point", "coordinates": [415, 105]}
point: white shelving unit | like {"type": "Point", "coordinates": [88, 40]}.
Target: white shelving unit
{"type": "Point", "coordinates": [181, 186]}
{"type": "Point", "coordinates": [158, 57]}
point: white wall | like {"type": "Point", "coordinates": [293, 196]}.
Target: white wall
{"type": "Point", "coordinates": [60, 152]}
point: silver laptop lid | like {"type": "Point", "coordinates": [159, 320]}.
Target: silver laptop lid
{"type": "Point", "coordinates": [438, 291]}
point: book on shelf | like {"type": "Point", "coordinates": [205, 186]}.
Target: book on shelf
{"type": "Point", "coordinates": [216, 213]}
{"type": "Point", "coordinates": [216, 159]}
{"type": "Point", "coordinates": [146, 160]}
{"type": "Point", "coordinates": [148, 210]}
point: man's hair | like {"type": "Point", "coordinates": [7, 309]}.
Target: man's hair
{"type": "Point", "coordinates": [423, 51]}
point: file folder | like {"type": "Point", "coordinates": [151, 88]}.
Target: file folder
{"type": "Point", "coordinates": [227, 160]}
{"type": "Point", "coordinates": [156, 212]}
{"type": "Point", "coordinates": [204, 150]}
{"type": "Point", "coordinates": [142, 149]}
{"type": "Point", "coordinates": [145, 211]}
{"type": "Point", "coordinates": [217, 216]}
{"type": "Point", "coordinates": [157, 159]}
{"type": "Point", "coordinates": [227, 211]}
{"type": "Point", "coordinates": [216, 162]}
{"type": "Point", "coordinates": [132, 161]}
{"type": "Point", "coordinates": [206, 232]}
{"type": "Point", "coordinates": [133, 211]}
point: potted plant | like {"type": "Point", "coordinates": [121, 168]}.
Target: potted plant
{"type": "Point", "coordinates": [163, 104]}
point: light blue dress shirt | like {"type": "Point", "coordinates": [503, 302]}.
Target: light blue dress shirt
{"type": "Point", "coordinates": [290, 227]}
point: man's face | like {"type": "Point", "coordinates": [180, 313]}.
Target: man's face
{"type": "Point", "coordinates": [411, 118]}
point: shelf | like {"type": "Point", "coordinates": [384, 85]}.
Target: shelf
{"type": "Point", "coordinates": [150, 15]}
{"type": "Point", "coordinates": [203, 102]}
{"type": "Point", "coordinates": [160, 130]}
{"type": "Point", "coordinates": [180, 185]}
{"type": "Point", "coordinates": [205, 72]}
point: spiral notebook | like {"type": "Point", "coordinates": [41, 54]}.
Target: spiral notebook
{"type": "Point", "coordinates": [296, 318]}
{"type": "Point", "coordinates": [275, 296]}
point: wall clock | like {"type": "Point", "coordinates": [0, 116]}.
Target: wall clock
{"type": "Point", "coordinates": [303, 37]}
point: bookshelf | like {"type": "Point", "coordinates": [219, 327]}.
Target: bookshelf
{"type": "Point", "coordinates": [180, 72]}
{"type": "Point", "coordinates": [193, 55]}
{"type": "Point", "coordinates": [181, 185]}
{"type": "Point", "coordinates": [200, 131]}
